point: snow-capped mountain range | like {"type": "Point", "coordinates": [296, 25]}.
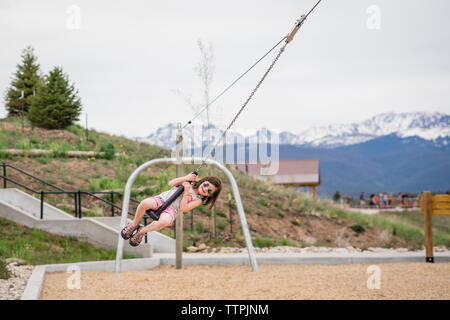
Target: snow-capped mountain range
{"type": "Point", "coordinates": [429, 126]}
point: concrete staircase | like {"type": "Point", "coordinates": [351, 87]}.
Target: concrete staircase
{"type": "Point", "coordinates": [24, 209]}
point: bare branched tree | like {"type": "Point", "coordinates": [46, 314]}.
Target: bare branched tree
{"type": "Point", "coordinates": [204, 69]}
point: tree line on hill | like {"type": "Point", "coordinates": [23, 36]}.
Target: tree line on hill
{"type": "Point", "coordinates": [48, 101]}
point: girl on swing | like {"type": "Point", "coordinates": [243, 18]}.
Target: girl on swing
{"type": "Point", "coordinates": [202, 192]}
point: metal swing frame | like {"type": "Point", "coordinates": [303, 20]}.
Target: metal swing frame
{"type": "Point", "coordinates": [185, 160]}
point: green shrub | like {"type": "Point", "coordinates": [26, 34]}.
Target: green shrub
{"type": "Point", "coordinates": [286, 242]}
{"type": "Point", "coordinates": [76, 130]}
{"type": "Point", "coordinates": [185, 245]}
{"type": "Point", "coordinates": [163, 182]}
{"type": "Point", "coordinates": [4, 140]}
{"type": "Point", "coordinates": [134, 193]}
{"type": "Point", "coordinates": [4, 272]}
{"type": "Point", "coordinates": [94, 185]}
{"type": "Point", "coordinates": [23, 250]}
{"type": "Point", "coordinates": [67, 180]}
{"type": "Point", "coordinates": [264, 202]}
{"type": "Point", "coordinates": [263, 243]}
{"type": "Point", "coordinates": [82, 146]}
{"type": "Point", "coordinates": [60, 149]}
{"type": "Point", "coordinates": [218, 242]}
{"type": "Point", "coordinates": [109, 150]}
{"type": "Point", "coordinates": [108, 183]}
{"type": "Point", "coordinates": [199, 227]}
{"type": "Point", "coordinates": [221, 224]}
{"type": "Point", "coordinates": [142, 179]}
{"type": "Point", "coordinates": [201, 209]}
{"type": "Point", "coordinates": [221, 213]}
{"type": "Point", "coordinates": [139, 162]}
{"type": "Point", "coordinates": [24, 144]}
{"type": "Point", "coordinates": [148, 191]}
{"type": "Point", "coordinates": [35, 142]}
{"type": "Point", "coordinates": [332, 214]}
{"type": "Point", "coordinates": [302, 243]}
{"type": "Point", "coordinates": [195, 238]}
{"type": "Point", "coordinates": [358, 228]}
{"type": "Point", "coordinates": [240, 238]}
{"type": "Point", "coordinates": [341, 213]}
{"type": "Point", "coordinates": [44, 159]}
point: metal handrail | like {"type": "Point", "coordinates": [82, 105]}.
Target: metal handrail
{"type": "Point", "coordinates": [112, 204]}
{"type": "Point", "coordinates": [19, 184]}
{"type": "Point", "coordinates": [77, 194]}
{"type": "Point", "coordinates": [31, 176]}
{"type": "Point", "coordinates": [62, 191]}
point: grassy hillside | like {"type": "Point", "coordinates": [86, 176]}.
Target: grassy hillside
{"type": "Point", "coordinates": [276, 215]}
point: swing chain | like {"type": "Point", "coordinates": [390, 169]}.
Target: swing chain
{"type": "Point", "coordinates": [288, 38]}
{"type": "Point", "coordinates": [297, 26]}
{"type": "Point", "coordinates": [245, 104]}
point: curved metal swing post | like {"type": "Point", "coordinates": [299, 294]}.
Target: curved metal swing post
{"type": "Point", "coordinates": [185, 160]}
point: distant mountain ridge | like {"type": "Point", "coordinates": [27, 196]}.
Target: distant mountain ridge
{"type": "Point", "coordinates": [389, 152]}
{"type": "Point", "coordinates": [385, 164]}
{"type": "Point", "coordinates": [433, 127]}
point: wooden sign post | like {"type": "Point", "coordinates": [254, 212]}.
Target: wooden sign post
{"type": "Point", "coordinates": [432, 205]}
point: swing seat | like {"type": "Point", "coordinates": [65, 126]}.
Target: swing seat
{"type": "Point", "coordinates": [152, 214]}
{"type": "Point", "coordinates": [156, 214]}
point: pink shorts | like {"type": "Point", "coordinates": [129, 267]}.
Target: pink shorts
{"type": "Point", "coordinates": [168, 210]}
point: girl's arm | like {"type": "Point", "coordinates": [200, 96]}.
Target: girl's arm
{"type": "Point", "coordinates": [180, 180]}
{"type": "Point", "coordinates": [185, 206]}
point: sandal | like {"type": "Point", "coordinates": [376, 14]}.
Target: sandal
{"type": "Point", "coordinates": [127, 232]}
{"type": "Point", "coordinates": [136, 239]}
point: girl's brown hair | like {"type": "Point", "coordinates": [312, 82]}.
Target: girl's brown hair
{"type": "Point", "coordinates": [214, 181]}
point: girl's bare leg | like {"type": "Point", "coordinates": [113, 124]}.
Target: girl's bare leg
{"type": "Point", "coordinates": [164, 221]}
{"type": "Point", "coordinates": [146, 204]}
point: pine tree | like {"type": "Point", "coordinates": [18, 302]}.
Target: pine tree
{"type": "Point", "coordinates": [26, 79]}
{"type": "Point", "coordinates": [57, 105]}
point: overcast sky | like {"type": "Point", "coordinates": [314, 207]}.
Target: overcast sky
{"type": "Point", "coordinates": [351, 59]}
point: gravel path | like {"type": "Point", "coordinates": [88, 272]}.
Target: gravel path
{"type": "Point", "coordinates": [397, 281]}
{"type": "Point", "coordinates": [13, 288]}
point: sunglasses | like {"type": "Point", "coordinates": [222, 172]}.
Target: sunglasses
{"type": "Point", "coordinates": [206, 185]}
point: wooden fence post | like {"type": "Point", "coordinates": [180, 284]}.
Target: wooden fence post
{"type": "Point", "coordinates": [313, 191]}
{"type": "Point", "coordinates": [427, 212]}
{"type": "Point", "coordinates": [179, 217]}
